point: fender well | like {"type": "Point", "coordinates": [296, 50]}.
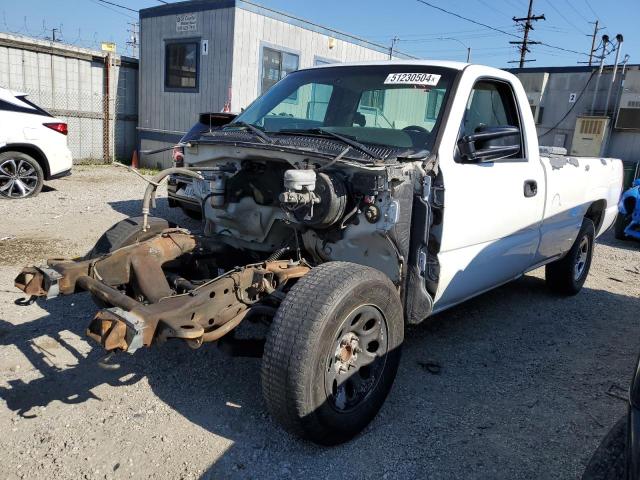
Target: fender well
{"type": "Point", "coordinates": [32, 151]}
{"type": "Point", "coordinates": [596, 213]}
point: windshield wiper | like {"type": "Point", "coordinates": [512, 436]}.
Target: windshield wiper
{"type": "Point", "coordinates": [252, 128]}
{"type": "Point", "coordinates": [346, 140]}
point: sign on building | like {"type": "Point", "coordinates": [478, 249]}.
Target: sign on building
{"type": "Point", "coordinates": [186, 23]}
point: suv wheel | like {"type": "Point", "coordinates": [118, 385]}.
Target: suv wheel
{"type": "Point", "coordinates": [333, 351]}
{"type": "Point", "coordinates": [20, 175]}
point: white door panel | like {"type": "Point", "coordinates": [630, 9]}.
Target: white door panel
{"type": "Point", "coordinates": [490, 229]}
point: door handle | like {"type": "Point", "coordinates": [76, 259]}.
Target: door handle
{"type": "Point", "coordinates": [530, 188]}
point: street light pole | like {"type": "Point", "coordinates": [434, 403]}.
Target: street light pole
{"type": "Point", "coordinates": [461, 43]}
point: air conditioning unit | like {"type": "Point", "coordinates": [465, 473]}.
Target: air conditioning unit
{"type": "Point", "coordinates": [588, 136]}
{"type": "Point", "coordinates": [628, 117]}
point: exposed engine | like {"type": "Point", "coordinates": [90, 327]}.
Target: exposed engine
{"type": "Point", "coordinates": [346, 213]}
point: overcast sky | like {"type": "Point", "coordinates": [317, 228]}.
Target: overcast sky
{"type": "Point", "coordinates": [423, 31]}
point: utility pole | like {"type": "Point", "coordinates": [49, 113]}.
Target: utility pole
{"type": "Point", "coordinates": [593, 41]}
{"type": "Point", "coordinates": [594, 49]}
{"type": "Point", "coordinates": [133, 41]}
{"type": "Point", "coordinates": [524, 49]}
{"type": "Point", "coordinates": [394, 41]}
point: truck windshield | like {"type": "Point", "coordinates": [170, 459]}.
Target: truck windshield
{"type": "Point", "coordinates": [393, 105]}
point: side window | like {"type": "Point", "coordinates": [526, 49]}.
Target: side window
{"type": "Point", "coordinates": [181, 65]}
{"type": "Point", "coordinates": [492, 104]}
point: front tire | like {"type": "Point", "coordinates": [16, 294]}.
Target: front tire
{"type": "Point", "coordinates": [567, 275]}
{"type": "Point", "coordinates": [332, 352]}
{"type": "Point", "coordinates": [20, 176]}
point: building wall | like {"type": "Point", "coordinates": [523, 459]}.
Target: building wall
{"type": "Point", "coordinates": [254, 30]}
{"type": "Point", "coordinates": [167, 112]}
{"type": "Point", "coordinates": [556, 127]}
{"type": "Point", "coordinates": [235, 30]}
{"type": "Point", "coordinates": [70, 83]}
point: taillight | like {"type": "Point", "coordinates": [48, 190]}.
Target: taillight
{"type": "Point", "coordinates": [58, 127]}
{"type": "Point", "coordinates": [178, 156]}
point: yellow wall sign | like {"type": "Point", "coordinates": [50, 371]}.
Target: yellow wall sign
{"type": "Point", "coordinates": [108, 47]}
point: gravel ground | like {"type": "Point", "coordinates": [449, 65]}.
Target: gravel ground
{"type": "Point", "coordinates": [521, 392]}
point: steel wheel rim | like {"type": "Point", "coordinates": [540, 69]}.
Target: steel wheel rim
{"type": "Point", "coordinates": [356, 359]}
{"type": "Point", "coordinates": [18, 178]}
{"type": "Point", "coordinates": [581, 259]}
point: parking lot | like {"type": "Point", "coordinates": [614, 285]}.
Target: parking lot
{"type": "Point", "coordinates": [517, 383]}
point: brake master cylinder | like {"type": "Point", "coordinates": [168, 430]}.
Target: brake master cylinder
{"type": "Point", "coordinates": [299, 191]}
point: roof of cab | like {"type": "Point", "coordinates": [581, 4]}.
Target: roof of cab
{"type": "Point", "coordinates": [422, 63]}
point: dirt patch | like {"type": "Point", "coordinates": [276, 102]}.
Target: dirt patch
{"type": "Point", "coordinates": [18, 251]}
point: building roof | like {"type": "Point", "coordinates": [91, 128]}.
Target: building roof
{"type": "Point", "coordinates": [569, 68]}
{"type": "Point", "coordinates": [191, 6]}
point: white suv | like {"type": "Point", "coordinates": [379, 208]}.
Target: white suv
{"type": "Point", "coordinates": [33, 146]}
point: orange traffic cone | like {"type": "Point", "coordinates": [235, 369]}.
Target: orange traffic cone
{"type": "Point", "coordinates": [134, 159]}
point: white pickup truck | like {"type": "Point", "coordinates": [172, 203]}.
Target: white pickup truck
{"type": "Point", "coordinates": [346, 202]}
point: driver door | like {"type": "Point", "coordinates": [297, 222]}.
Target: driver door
{"type": "Point", "coordinates": [492, 210]}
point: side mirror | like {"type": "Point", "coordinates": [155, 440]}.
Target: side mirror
{"type": "Point", "coordinates": [471, 154]}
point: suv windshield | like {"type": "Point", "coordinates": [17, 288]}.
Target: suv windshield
{"type": "Point", "coordinates": [393, 105]}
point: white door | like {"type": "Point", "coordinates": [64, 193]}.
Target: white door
{"type": "Point", "coordinates": [493, 210]}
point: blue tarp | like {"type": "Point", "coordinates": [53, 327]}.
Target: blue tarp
{"type": "Point", "coordinates": [633, 229]}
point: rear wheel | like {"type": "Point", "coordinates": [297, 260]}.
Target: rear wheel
{"type": "Point", "coordinates": [567, 275]}
{"type": "Point", "coordinates": [124, 233]}
{"type": "Point", "coordinates": [20, 176]}
{"type": "Point", "coordinates": [333, 351]}
{"type": "Point", "coordinates": [127, 232]}
{"type": "Point", "coordinates": [622, 222]}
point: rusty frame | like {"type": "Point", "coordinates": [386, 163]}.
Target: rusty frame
{"type": "Point", "coordinates": [204, 314]}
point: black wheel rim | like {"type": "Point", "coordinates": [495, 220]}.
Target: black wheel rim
{"type": "Point", "coordinates": [356, 358]}
{"type": "Point", "coordinates": [17, 178]}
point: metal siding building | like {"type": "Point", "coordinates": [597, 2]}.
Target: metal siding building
{"type": "Point", "coordinates": [230, 39]}
{"type": "Point", "coordinates": [561, 96]}
{"type": "Point", "coordinates": [72, 83]}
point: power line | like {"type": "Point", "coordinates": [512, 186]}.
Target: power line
{"type": "Point", "coordinates": [112, 9]}
{"type": "Point", "coordinates": [468, 19]}
{"type": "Point", "coordinates": [592, 10]}
{"type": "Point", "coordinates": [550, 3]}
{"type": "Point", "coordinates": [577, 11]}
{"type": "Point", "coordinates": [118, 5]}
{"type": "Point", "coordinates": [488, 5]}
{"type": "Point", "coordinates": [496, 29]}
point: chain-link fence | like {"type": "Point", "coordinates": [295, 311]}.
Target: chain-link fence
{"type": "Point", "coordinates": [94, 94]}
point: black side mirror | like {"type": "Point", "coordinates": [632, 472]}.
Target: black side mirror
{"type": "Point", "coordinates": [469, 152]}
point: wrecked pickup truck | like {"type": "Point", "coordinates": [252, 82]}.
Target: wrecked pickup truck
{"type": "Point", "coordinates": [345, 203]}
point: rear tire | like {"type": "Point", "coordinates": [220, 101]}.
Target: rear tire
{"type": "Point", "coordinates": [332, 352]}
{"type": "Point", "coordinates": [567, 275]}
{"type": "Point", "coordinates": [622, 221]}
{"type": "Point", "coordinates": [608, 462]}
{"type": "Point", "coordinates": [20, 176]}
{"type": "Point", "coordinates": [127, 232]}
{"type": "Point", "coordinates": [124, 233]}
